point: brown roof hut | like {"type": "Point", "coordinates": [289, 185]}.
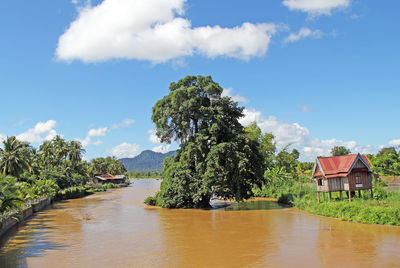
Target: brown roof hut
{"type": "Point", "coordinates": [348, 173]}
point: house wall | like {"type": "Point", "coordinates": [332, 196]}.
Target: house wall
{"type": "Point", "coordinates": [324, 186]}
{"type": "Point", "coordinates": [364, 183]}
{"type": "Point", "coordinates": [337, 184]}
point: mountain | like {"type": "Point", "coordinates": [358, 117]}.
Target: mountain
{"type": "Point", "coordinates": [146, 161]}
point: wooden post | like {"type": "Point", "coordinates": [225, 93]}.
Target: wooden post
{"type": "Point", "coordinates": [329, 195]}
{"type": "Point", "coordinates": [349, 196]}
{"type": "Point", "coordinates": [369, 196]}
{"type": "Point", "coordinates": [372, 193]}
{"type": "Point", "coordinates": [318, 197]}
{"type": "Point", "coordinates": [359, 193]}
{"type": "Point", "coordinates": [341, 197]}
{"type": "Point", "coordinates": [323, 196]}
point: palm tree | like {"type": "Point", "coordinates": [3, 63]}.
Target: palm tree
{"type": "Point", "coordinates": [75, 151]}
{"type": "Point", "coordinates": [14, 158]}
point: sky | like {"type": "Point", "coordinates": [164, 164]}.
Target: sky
{"type": "Point", "coordinates": [315, 73]}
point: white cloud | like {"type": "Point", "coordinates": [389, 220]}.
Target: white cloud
{"type": "Point", "coordinates": [317, 147]}
{"type": "Point", "coordinates": [94, 132]}
{"type": "Point", "coordinates": [124, 123]}
{"type": "Point", "coordinates": [316, 7]}
{"type": "Point", "coordinates": [41, 132]}
{"type": "Point", "coordinates": [227, 92]}
{"type": "Point", "coordinates": [285, 133]}
{"type": "Point", "coordinates": [395, 142]}
{"type": "Point", "coordinates": [99, 132]}
{"type": "Point", "coordinates": [153, 137]}
{"type": "Point", "coordinates": [154, 30]}
{"type": "Point", "coordinates": [303, 33]}
{"type": "Point", "coordinates": [297, 135]}
{"type": "Point", "coordinates": [162, 149]}
{"type": "Point", "coordinates": [125, 150]}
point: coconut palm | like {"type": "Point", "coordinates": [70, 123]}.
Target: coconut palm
{"type": "Point", "coordinates": [14, 158]}
{"type": "Point", "coordinates": [75, 151]}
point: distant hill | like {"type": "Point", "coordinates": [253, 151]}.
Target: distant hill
{"type": "Point", "coordinates": [146, 161]}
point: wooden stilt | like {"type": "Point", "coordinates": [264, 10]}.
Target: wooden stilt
{"type": "Point", "coordinates": [318, 197]}
{"type": "Point", "coordinates": [341, 197]}
{"type": "Point", "coordinates": [349, 196]}
{"type": "Point", "coordinates": [369, 196]}
{"type": "Point", "coordinates": [329, 196]}
{"type": "Point", "coordinates": [372, 193]}
{"type": "Point", "coordinates": [359, 193]}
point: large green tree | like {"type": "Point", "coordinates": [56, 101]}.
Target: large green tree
{"type": "Point", "coordinates": [217, 158]}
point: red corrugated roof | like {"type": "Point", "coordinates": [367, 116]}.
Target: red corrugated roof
{"type": "Point", "coordinates": [337, 166]}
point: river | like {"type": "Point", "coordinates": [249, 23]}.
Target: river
{"type": "Point", "coordinates": [115, 229]}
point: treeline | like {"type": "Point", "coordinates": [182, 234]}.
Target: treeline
{"type": "Point", "coordinates": [54, 170]}
{"type": "Point", "coordinates": [386, 162]}
{"type": "Point", "coordinates": [144, 174]}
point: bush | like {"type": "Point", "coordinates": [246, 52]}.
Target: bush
{"type": "Point", "coordinates": [380, 194]}
{"type": "Point", "coordinates": [72, 192]}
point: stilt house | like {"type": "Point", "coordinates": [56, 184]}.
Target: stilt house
{"type": "Point", "coordinates": [347, 173]}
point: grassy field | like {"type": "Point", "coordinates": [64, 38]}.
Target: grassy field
{"type": "Point", "coordinates": [384, 208]}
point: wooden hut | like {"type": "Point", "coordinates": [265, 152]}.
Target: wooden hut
{"type": "Point", "coordinates": [347, 173]}
{"type": "Point", "coordinates": [108, 178]}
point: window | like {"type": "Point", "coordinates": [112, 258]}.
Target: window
{"type": "Point", "coordinates": [358, 179]}
{"type": "Point", "coordinates": [320, 182]}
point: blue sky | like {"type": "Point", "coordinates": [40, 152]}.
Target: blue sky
{"type": "Point", "coordinates": [316, 73]}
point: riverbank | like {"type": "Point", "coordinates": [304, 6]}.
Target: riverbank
{"type": "Point", "coordinates": [383, 208]}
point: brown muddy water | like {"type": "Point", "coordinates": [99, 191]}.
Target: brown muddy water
{"type": "Point", "coordinates": [115, 229]}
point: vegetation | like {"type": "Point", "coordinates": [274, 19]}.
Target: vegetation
{"type": "Point", "coordinates": [54, 170]}
{"type": "Point", "coordinates": [216, 156]}
{"type": "Point", "coordinates": [340, 150]}
{"type": "Point", "coordinates": [146, 161]}
{"type": "Point", "coordinates": [106, 165]}
{"type": "Point", "coordinates": [140, 175]}
{"type": "Point", "coordinates": [300, 191]}
{"type": "Point", "coordinates": [386, 162]}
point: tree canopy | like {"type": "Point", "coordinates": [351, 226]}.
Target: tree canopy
{"type": "Point", "coordinates": [340, 150]}
{"type": "Point", "coordinates": [216, 156]}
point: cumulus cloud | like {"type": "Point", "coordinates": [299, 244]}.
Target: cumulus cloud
{"type": "Point", "coordinates": [285, 133]}
{"type": "Point", "coordinates": [316, 7]}
{"type": "Point", "coordinates": [124, 123]}
{"type": "Point", "coordinates": [227, 92]}
{"type": "Point", "coordinates": [162, 149]}
{"type": "Point", "coordinates": [303, 33]}
{"type": "Point", "coordinates": [125, 150]}
{"type": "Point", "coordinates": [99, 132]}
{"type": "Point", "coordinates": [395, 142]}
{"type": "Point", "coordinates": [153, 137]}
{"type": "Point", "coordinates": [319, 147]}
{"type": "Point", "coordinates": [298, 136]}
{"type": "Point", "coordinates": [154, 30]}
{"type": "Point", "coordinates": [41, 132]}
{"type": "Point", "coordinates": [94, 132]}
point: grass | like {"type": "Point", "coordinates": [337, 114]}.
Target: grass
{"type": "Point", "coordinates": [384, 208]}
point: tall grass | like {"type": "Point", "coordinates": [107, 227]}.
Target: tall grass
{"type": "Point", "coordinates": [384, 208]}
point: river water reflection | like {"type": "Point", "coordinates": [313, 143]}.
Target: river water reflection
{"type": "Point", "coordinates": [115, 229]}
